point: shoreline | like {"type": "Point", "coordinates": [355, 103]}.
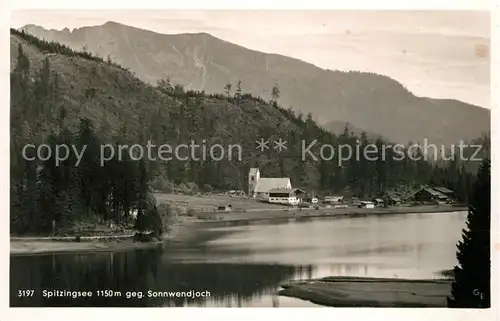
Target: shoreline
{"type": "Point", "coordinates": [370, 292]}
{"type": "Point", "coordinates": [293, 213]}
{"type": "Point", "coordinates": [29, 248]}
{"type": "Point", "coordinates": [67, 244]}
{"type": "Point", "coordinates": [32, 245]}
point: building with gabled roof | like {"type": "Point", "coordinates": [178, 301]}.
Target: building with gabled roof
{"type": "Point", "coordinates": [393, 199]}
{"type": "Point", "coordinates": [444, 190]}
{"type": "Point", "coordinates": [286, 196]}
{"type": "Point", "coordinates": [366, 204]}
{"type": "Point", "coordinates": [259, 187]}
{"type": "Point", "coordinates": [428, 194]}
{"type": "Point", "coordinates": [333, 199]}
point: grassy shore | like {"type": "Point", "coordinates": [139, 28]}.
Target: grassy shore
{"type": "Point", "coordinates": [101, 243]}
{"type": "Point", "coordinates": [204, 208]}
{"type": "Point", "coordinates": [370, 292]}
{"type": "Point", "coordinates": [30, 246]}
{"type": "Point", "coordinates": [294, 213]}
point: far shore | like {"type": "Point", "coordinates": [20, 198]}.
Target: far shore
{"type": "Point", "coordinates": [370, 292]}
{"type": "Point", "coordinates": [122, 242]}
{"type": "Point", "coordinates": [294, 213]}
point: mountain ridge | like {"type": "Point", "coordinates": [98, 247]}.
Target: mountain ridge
{"type": "Point", "coordinates": [59, 95]}
{"type": "Point", "coordinates": [376, 103]}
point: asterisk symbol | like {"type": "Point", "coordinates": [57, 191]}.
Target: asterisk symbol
{"type": "Point", "coordinates": [262, 144]}
{"type": "Point", "coordinates": [280, 145]}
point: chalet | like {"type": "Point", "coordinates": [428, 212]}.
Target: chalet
{"type": "Point", "coordinates": [235, 193]}
{"type": "Point", "coordinates": [224, 208]}
{"type": "Point", "coordinates": [428, 194]}
{"type": "Point", "coordinates": [355, 201]}
{"type": "Point", "coordinates": [378, 201]}
{"type": "Point", "coordinates": [311, 199]}
{"type": "Point", "coordinates": [393, 200]}
{"type": "Point", "coordinates": [443, 190]}
{"type": "Point", "coordinates": [259, 187]}
{"type": "Point", "coordinates": [366, 204]}
{"type": "Point", "coordinates": [334, 199]}
{"type": "Point", "coordinates": [287, 196]}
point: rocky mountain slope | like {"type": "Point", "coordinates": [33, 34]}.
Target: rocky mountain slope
{"type": "Point", "coordinates": [372, 102]}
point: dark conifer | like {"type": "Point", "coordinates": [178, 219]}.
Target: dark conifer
{"type": "Point", "coordinates": [471, 287]}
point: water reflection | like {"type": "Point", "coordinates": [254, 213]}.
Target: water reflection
{"type": "Point", "coordinates": [140, 271]}
{"type": "Point", "coordinates": [243, 265]}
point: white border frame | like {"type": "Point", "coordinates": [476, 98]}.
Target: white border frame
{"type": "Point", "coordinates": [371, 314]}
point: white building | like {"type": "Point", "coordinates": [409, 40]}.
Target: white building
{"type": "Point", "coordinates": [286, 196]}
{"type": "Point", "coordinates": [334, 199]}
{"type": "Point", "coordinates": [366, 204]}
{"type": "Point", "coordinates": [259, 187]}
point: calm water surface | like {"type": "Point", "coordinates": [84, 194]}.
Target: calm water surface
{"type": "Point", "coordinates": [244, 265]}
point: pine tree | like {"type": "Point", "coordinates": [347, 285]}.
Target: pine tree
{"type": "Point", "coordinates": [46, 192]}
{"type": "Point", "coordinates": [142, 214]}
{"type": "Point", "coordinates": [275, 95]}
{"type": "Point", "coordinates": [156, 221]}
{"type": "Point", "coordinates": [227, 89]}
{"type": "Point", "coordinates": [23, 63]}
{"type": "Point", "coordinates": [29, 206]}
{"type": "Point", "coordinates": [165, 85]}
{"type": "Point", "coordinates": [238, 93]}
{"type": "Point", "coordinates": [62, 207]}
{"type": "Point", "coordinates": [471, 287]}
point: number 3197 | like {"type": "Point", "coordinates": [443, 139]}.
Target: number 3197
{"type": "Point", "coordinates": [25, 293]}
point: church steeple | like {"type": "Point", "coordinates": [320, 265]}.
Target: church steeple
{"type": "Point", "coordinates": [253, 177]}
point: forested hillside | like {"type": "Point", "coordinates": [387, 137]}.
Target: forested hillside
{"type": "Point", "coordinates": [62, 96]}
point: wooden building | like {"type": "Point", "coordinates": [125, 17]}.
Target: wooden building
{"type": "Point", "coordinates": [355, 201]}
{"type": "Point", "coordinates": [334, 199]}
{"type": "Point", "coordinates": [393, 200]}
{"type": "Point", "coordinates": [428, 194]}
{"type": "Point", "coordinates": [378, 201]}
{"type": "Point", "coordinates": [443, 190]}
{"type": "Point", "coordinates": [287, 196]}
{"type": "Point", "coordinates": [225, 208]}
{"type": "Point", "coordinates": [366, 204]}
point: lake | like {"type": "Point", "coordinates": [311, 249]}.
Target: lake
{"type": "Point", "coordinates": [243, 265]}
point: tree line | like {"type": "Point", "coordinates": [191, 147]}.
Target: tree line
{"type": "Point", "coordinates": [42, 191]}
{"type": "Point", "coordinates": [359, 176]}
{"type": "Point", "coordinates": [55, 47]}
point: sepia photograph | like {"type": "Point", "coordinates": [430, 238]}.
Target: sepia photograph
{"type": "Point", "coordinates": [250, 158]}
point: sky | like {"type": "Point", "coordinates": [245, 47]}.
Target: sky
{"type": "Point", "coordinates": [438, 54]}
